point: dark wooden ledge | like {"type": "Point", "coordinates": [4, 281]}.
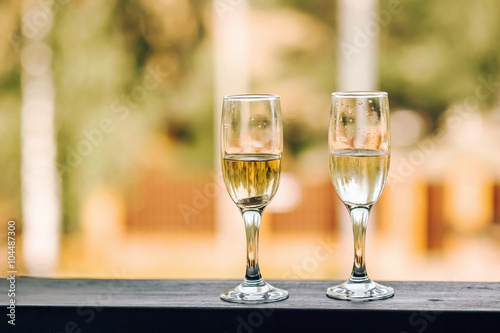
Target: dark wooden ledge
{"type": "Point", "coordinates": [83, 305]}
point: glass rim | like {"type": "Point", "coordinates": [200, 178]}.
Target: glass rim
{"type": "Point", "coordinates": [359, 94]}
{"type": "Point", "coordinates": [252, 97]}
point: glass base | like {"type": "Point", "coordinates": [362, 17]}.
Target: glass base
{"type": "Point", "coordinates": [254, 293]}
{"type": "Point", "coordinates": [360, 291]}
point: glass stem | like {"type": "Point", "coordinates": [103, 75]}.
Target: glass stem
{"type": "Point", "coordinates": [359, 218]}
{"type": "Point", "coordinates": [252, 224]}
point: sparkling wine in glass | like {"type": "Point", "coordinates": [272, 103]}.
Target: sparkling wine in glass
{"type": "Point", "coordinates": [359, 147]}
{"type": "Point", "coordinates": [251, 148]}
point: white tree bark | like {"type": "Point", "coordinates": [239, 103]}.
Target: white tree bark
{"type": "Point", "coordinates": [231, 75]}
{"type": "Point", "coordinates": [358, 44]}
{"type": "Point", "coordinates": [40, 183]}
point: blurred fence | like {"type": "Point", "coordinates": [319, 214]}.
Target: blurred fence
{"type": "Point", "coordinates": [161, 203]}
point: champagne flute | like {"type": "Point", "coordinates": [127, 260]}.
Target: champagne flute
{"type": "Point", "coordinates": [251, 148]}
{"type": "Point", "coordinates": [359, 148]}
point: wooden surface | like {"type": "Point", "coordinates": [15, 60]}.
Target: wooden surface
{"type": "Point", "coordinates": [78, 305]}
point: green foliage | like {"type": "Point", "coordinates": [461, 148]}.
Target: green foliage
{"type": "Point", "coordinates": [10, 106]}
{"type": "Point", "coordinates": [326, 11]}
{"type": "Point", "coordinates": [433, 52]}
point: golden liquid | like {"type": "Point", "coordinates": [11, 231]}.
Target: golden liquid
{"type": "Point", "coordinates": [251, 180]}
{"type": "Point", "coordinates": [359, 175]}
